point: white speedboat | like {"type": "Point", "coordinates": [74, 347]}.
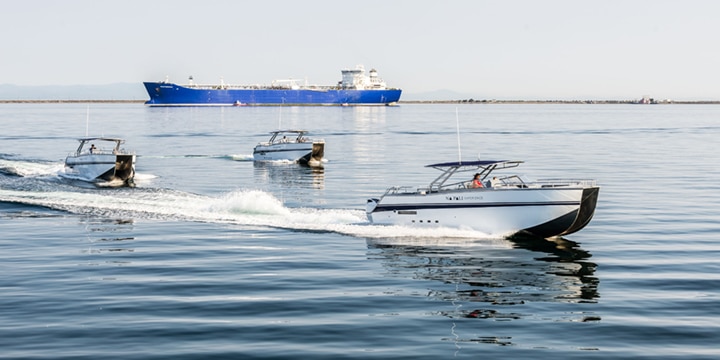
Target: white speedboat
{"type": "Point", "coordinates": [104, 164]}
{"type": "Point", "coordinates": [290, 145]}
{"type": "Point", "coordinates": [503, 206]}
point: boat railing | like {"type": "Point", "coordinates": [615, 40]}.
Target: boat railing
{"type": "Point", "coordinates": [406, 190]}
{"type": "Point", "coordinates": [500, 183]}
{"type": "Point", "coordinates": [427, 189]}
{"type": "Point", "coordinates": [96, 151]}
{"type": "Point", "coordinates": [102, 151]}
{"type": "Point", "coordinates": [309, 140]}
{"type": "Point", "coordinates": [292, 140]}
{"type": "Point", "coordinates": [565, 182]}
{"type": "Point", "coordinates": [453, 186]}
{"type": "Point", "coordinates": [518, 181]}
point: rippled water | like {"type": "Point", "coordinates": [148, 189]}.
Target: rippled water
{"type": "Point", "coordinates": [212, 256]}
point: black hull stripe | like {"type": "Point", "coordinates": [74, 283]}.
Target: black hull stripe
{"type": "Point", "coordinates": [381, 208]}
{"type": "Point", "coordinates": [278, 151]}
{"type": "Point", "coordinates": [587, 210]}
{"type": "Point", "coordinates": [554, 227]}
{"type": "Point", "coordinates": [92, 163]}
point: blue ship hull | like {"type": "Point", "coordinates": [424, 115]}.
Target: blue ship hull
{"type": "Point", "coordinates": [169, 94]}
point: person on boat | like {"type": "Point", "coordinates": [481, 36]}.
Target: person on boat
{"type": "Point", "coordinates": [476, 182]}
{"type": "Point", "coordinates": [92, 148]}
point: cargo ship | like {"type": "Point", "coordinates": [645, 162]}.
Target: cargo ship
{"type": "Point", "coordinates": [355, 88]}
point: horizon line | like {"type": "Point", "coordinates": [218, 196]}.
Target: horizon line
{"type": "Point", "coordinates": [462, 101]}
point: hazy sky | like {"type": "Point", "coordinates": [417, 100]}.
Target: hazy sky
{"type": "Point", "coordinates": [524, 49]}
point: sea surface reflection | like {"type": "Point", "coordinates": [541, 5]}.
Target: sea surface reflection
{"type": "Point", "coordinates": [489, 275]}
{"type": "Point", "coordinates": [289, 175]}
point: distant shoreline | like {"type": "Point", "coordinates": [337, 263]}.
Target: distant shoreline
{"type": "Point", "coordinates": [713, 102]}
{"type": "Point", "coordinates": [471, 101]}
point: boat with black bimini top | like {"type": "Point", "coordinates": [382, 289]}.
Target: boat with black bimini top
{"type": "Point", "coordinates": [498, 205]}
{"type": "Point", "coordinates": [291, 146]}
{"type": "Point", "coordinates": [104, 165]}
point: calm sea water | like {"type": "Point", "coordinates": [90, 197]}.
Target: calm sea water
{"type": "Point", "coordinates": [212, 256]}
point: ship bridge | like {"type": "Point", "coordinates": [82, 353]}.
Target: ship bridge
{"type": "Point", "coordinates": [355, 79]}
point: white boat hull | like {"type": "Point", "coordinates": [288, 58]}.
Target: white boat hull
{"type": "Point", "coordinates": [100, 168]}
{"type": "Point", "coordinates": [544, 212]}
{"type": "Point", "coordinates": [305, 152]}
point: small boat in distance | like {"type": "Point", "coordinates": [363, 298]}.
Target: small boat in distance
{"type": "Point", "coordinates": [292, 146]}
{"type": "Point", "coordinates": [104, 165]}
{"type": "Point", "coordinates": [499, 205]}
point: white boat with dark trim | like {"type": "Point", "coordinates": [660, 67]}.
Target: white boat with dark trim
{"type": "Point", "coordinates": [503, 206]}
{"type": "Point", "coordinates": [106, 164]}
{"type": "Point", "coordinates": [292, 146]}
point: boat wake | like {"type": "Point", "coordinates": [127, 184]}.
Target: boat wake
{"type": "Point", "coordinates": [252, 208]}
{"type": "Point", "coordinates": [53, 171]}
{"type": "Point", "coordinates": [249, 157]}
{"type": "Point", "coordinates": [41, 186]}
{"type": "Point", "coordinates": [240, 157]}
{"type": "Point", "coordinates": [198, 156]}
{"type": "Point", "coordinates": [29, 168]}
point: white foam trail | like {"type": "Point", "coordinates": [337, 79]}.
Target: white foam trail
{"type": "Point", "coordinates": [248, 202]}
{"type": "Point", "coordinates": [243, 207]}
{"type": "Point", "coordinates": [40, 169]}
{"type": "Point", "coordinates": [261, 208]}
{"type": "Point", "coordinates": [28, 168]}
{"type": "Point", "coordinates": [278, 162]}
{"type": "Point", "coordinates": [142, 178]}
{"type": "Point", "coordinates": [241, 157]}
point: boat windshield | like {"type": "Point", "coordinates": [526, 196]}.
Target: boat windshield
{"type": "Point", "coordinates": [287, 136]}
{"type": "Point", "coordinates": [93, 149]}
